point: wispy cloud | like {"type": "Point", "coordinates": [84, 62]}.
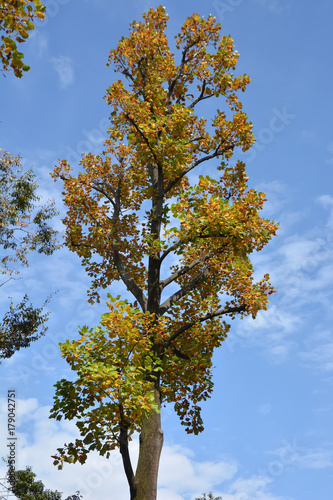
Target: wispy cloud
{"type": "Point", "coordinates": [329, 148]}
{"type": "Point", "coordinates": [272, 331]}
{"type": "Point", "coordinates": [64, 67]}
{"type": "Point", "coordinates": [273, 6]}
{"type": "Point", "coordinates": [264, 409]}
{"type": "Point", "coordinates": [305, 458]}
{"type": "Point", "coordinates": [320, 355]}
{"type": "Point", "coordinates": [39, 42]}
{"type": "Point", "coordinates": [326, 201]}
{"type": "Point", "coordinates": [316, 460]}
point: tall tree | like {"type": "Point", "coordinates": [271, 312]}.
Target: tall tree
{"type": "Point", "coordinates": [16, 20]}
{"type": "Point", "coordinates": [148, 212]}
{"type": "Point", "coordinates": [24, 227]}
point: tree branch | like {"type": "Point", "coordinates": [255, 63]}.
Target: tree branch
{"type": "Point", "coordinates": [217, 152]}
{"type": "Point", "coordinates": [170, 249]}
{"type": "Point", "coordinates": [195, 139]}
{"type": "Point", "coordinates": [142, 72]}
{"type": "Point", "coordinates": [142, 135]}
{"type": "Point", "coordinates": [123, 444]}
{"type": "Point", "coordinates": [227, 310]}
{"type": "Point", "coordinates": [127, 280]}
{"type": "Point", "coordinates": [99, 190]}
{"type": "Point", "coordinates": [201, 96]}
{"type": "Point", "coordinates": [185, 269]}
{"type": "Point", "coordinates": [182, 292]}
{"type": "Point", "coordinates": [64, 178]}
{"type": "Point", "coordinates": [181, 67]}
{"type": "Point", "coordinates": [180, 354]}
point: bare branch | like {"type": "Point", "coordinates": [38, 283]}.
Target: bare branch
{"type": "Point", "coordinates": [1, 284]}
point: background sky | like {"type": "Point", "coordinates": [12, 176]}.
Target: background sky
{"type": "Point", "coordinates": [268, 426]}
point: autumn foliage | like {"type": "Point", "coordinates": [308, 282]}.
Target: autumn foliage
{"type": "Point", "coordinates": [16, 20]}
{"type": "Point", "coordinates": [166, 210]}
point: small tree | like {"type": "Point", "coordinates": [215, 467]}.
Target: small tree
{"type": "Point", "coordinates": [16, 20]}
{"type": "Point", "coordinates": [24, 486]}
{"type": "Point", "coordinates": [179, 242]}
{"type": "Point", "coordinates": [209, 497]}
{"type": "Point", "coordinates": [23, 228]}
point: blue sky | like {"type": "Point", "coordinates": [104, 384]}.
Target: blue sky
{"type": "Point", "coordinates": [268, 432]}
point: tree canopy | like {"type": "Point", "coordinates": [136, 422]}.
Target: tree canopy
{"type": "Point", "coordinates": [25, 487]}
{"type": "Point", "coordinates": [166, 210]}
{"type": "Point", "coordinates": [16, 20]}
{"type": "Point", "coordinates": [209, 497]}
{"type": "Point", "coordinates": [24, 227]}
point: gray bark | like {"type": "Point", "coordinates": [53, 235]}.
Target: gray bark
{"type": "Point", "coordinates": [151, 442]}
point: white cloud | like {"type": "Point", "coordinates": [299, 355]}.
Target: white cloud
{"type": "Point", "coordinates": [180, 472]}
{"type": "Point", "coordinates": [64, 67]}
{"type": "Point", "coordinates": [38, 437]}
{"type": "Point", "coordinates": [302, 263]}
{"type": "Point", "coordinates": [182, 476]}
{"type": "Point", "coordinates": [301, 270]}
{"type": "Point", "coordinates": [253, 488]}
{"type": "Point", "coordinates": [271, 330]}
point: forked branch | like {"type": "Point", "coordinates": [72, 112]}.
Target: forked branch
{"type": "Point", "coordinates": [184, 270]}
{"type": "Point", "coordinates": [182, 292]}
{"type": "Point", "coordinates": [127, 280]}
{"type": "Point", "coordinates": [221, 312]}
{"type": "Point", "coordinates": [218, 152]}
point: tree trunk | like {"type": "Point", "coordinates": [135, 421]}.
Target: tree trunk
{"type": "Point", "coordinates": [151, 442]}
